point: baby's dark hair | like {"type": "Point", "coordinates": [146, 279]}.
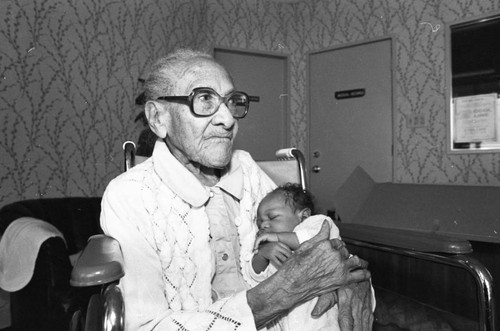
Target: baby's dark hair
{"type": "Point", "coordinates": [296, 197]}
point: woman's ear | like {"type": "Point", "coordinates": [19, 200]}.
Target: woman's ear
{"type": "Point", "coordinates": [156, 118]}
{"type": "Point", "coordinates": [305, 213]}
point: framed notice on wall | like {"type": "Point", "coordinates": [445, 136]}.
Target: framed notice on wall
{"type": "Point", "coordinates": [476, 122]}
{"type": "Point", "coordinates": [475, 118]}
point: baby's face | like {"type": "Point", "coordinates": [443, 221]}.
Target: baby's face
{"type": "Point", "coordinates": [275, 215]}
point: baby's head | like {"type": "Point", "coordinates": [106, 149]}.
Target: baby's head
{"type": "Point", "coordinates": [284, 208]}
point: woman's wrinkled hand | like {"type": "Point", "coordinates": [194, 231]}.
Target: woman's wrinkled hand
{"type": "Point", "coordinates": [328, 262]}
{"type": "Point", "coordinates": [318, 267]}
{"type": "Point", "coordinates": [355, 300]}
{"type": "Point", "coordinates": [356, 306]}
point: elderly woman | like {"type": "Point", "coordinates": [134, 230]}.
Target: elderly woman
{"type": "Point", "coordinates": [185, 218]}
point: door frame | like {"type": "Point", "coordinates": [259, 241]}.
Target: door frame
{"type": "Point", "coordinates": [393, 93]}
{"type": "Point", "coordinates": [284, 56]}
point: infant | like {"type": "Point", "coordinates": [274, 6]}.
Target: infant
{"type": "Point", "coordinates": [285, 220]}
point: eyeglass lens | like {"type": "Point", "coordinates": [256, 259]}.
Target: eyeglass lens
{"type": "Point", "coordinates": [207, 102]}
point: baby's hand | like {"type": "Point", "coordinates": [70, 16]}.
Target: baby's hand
{"type": "Point", "coordinates": [265, 237]}
{"type": "Point", "coordinates": [277, 253]}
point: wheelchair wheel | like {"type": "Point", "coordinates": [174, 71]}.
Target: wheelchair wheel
{"type": "Point", "coordinates": [93, 318]}
{"type": "Point", "coordinates": [76, 321]}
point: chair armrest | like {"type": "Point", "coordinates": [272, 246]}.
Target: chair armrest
{"type": "Point", "coordinates": [429, 247]}
{"type": "Point", "coordinates": [101, 262]}
{"type": "Point", "coordinates": [406, 239]}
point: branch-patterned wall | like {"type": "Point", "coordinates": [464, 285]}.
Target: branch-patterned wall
{"type": "Point", "coordinates": [69, 70]}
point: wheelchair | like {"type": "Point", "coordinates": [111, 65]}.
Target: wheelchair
{"type": "Point", "coordinates": [101, 262]}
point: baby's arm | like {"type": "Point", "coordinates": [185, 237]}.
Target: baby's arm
{"type": "Point", "coordinates": [288, 238]}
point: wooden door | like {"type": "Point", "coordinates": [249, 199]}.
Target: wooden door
{"type": "Point", "coordinates": [264, 130]}
{"type": "Point", "coordinates": [350, 98]}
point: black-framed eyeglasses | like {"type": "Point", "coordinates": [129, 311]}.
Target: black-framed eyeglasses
{"type": "Point", "coordinates": [204, 101]}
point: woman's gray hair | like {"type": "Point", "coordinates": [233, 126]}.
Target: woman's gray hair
{"type": "Point", "coordinates": [166, 71]}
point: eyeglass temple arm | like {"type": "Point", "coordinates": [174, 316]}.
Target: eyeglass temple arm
{"type": "Point", "coordinates": [174, 98]}
{"type": "Point", "coordinates": [253, 98]}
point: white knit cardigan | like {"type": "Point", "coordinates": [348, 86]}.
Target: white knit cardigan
{"type": "Point", "coordinates": [181, 236]}
{"type": "Point", "coordinates": [157, 208]}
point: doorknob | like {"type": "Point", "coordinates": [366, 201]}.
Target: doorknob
{"type": "Point", "coordinates": [316, 168]}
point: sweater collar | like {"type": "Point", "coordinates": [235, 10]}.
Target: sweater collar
{"type": "Point", "coordinates": [183, 183]}
{"type": "Point", "coordinates": [232, 178]}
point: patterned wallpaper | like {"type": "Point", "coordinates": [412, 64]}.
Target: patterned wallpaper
{"type": "Point", "coordinates": [69, 70]}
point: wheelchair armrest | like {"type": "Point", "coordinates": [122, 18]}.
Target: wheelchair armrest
{"type": "Point", "coordinates": [406, 239]}
{"type": "Point", "coordinates": [428, 246]}
{"type": "Point", "coordinates": [101, 262]}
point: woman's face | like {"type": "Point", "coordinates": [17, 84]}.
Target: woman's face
{"type": "Point", "coordinates": [206, 141]}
